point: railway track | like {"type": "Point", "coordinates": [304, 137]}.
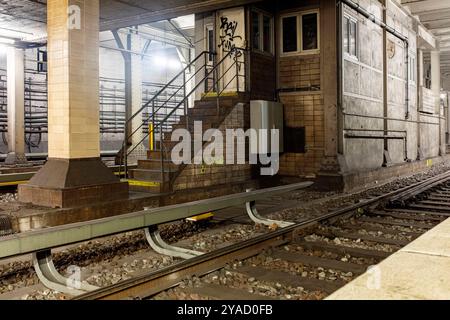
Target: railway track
{"type": "Point", "coordinates": [308, 260]}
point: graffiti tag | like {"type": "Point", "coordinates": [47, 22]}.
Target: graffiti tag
{"type": "Point", "coordinates": [228, 35]}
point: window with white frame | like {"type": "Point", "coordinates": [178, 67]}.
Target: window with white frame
{"type": "Point", "coordinates": [300, 33]}
{"type": "Point", "coordinates": [412, 69]}
{"type": "Point", "coordinates": [209, 43]}
{"type": "Point", "coordinates": [350, 36]}
{"type": "Point", "coordinates": [262, 32]}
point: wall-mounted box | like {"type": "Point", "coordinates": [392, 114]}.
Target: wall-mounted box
{"type": "Point", "coordinates": [267, 115]}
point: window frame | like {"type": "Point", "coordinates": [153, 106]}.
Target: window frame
{"type": "Point", "coordinates": [261, 15]}
{"type": "Point", "coordinates": [299, 15]}
{"type": "Point", "coordinates": [209, 27]}
{"type": "Point", "coordinates": [412, 69]}
{"type": "Point", "coordinates": [344, 50]}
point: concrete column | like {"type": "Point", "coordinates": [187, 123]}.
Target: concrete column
{"type": "Point", "coordinates": [16, 106]}
{"type": "Point", "coordinates": [436, 88]}
{"type": "Point", "coordinates": [420, 74]}
{"type": "Point", "coordinates": [74, 174]}
{"type": "Point", "coordinates": [134, 85]}
{"type": "Point", "coordinates": [421, 82]}
{"type": "Point", "coordinates": [329, 84]}
{"type": "Point", "coordinates": [436, 77]}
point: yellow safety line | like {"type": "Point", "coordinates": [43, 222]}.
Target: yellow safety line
{"type": "Point", "coordinates": [12, 183]}
{"type": "Point", "coordinates": [223, 94]}
{"type": "Point", "coordinates": [137, 183]}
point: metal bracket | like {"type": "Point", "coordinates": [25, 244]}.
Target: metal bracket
{"type": "Point", "coordinates": [258, 219]}
{"type": "Point", "coordinates": [52, 279]}
{"type": "Point", "coordinates": [159, 245]}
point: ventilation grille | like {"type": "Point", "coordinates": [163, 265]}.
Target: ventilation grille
{"type": "Point", "coordinates": [5, 226]}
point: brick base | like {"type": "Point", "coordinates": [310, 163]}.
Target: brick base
{"type": "Point", "coordinates": [64, 183]}
{"type": "Point", "coordinates": [72, 197]}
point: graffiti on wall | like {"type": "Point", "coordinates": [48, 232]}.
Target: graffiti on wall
{"type": "Point", "coordinates": [228, 35]}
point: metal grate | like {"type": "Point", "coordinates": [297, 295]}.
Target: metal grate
{"type": "Point", "coordinates": [5, 226]}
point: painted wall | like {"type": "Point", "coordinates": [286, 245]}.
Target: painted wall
{"type": "Point", "coordinates": [363, 96]}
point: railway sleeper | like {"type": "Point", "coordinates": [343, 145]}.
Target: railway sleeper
{"type": "Point", "coordinates": [418, 225]}
{"type": "Point", "coordinates": [370, 227]}
{"type": "Point", "coordinates": [356, 236]}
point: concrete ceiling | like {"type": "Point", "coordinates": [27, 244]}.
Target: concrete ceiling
{"type": "Point", "coordinates": [435, 16]}
{"type": "Point", "coordinates": [26, 19]}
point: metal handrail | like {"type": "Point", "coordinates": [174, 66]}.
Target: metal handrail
{"type": "Point", "coordinates": [158, 127]}
{"type": "Point", "coordinates": [188, 95]}
{"type": "Point", "coordinates": [182, 72]}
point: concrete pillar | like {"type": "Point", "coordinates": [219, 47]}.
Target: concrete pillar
{"type": "Point", "coordinates": [421, 82]}
{"type": "Point", "coordinates": [329, 84]}
{"type": "Point", "coordinates": [436, 77]}
{"type": "Point", "coordinates": [420, 74]}
{"type": "Point", "coordinates": [436, 88]}
{"type": "Point", "coordinates": [134, 87]}
{"type": "Point", "coordinates": [16, 106]}
{"type": "Point", "coordinates": [74, 175]}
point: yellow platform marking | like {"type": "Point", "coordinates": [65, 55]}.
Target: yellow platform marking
{"type": "Point", "coordinates": [223, 94]}
{"type": "Point", "coordinates": [201, 217]}
{"type": "Point", "coordinates": [12, 183]}
{"type": "Point", "coordinates": [137, 183]}
{"type": "Point", "coordinates": [429, 162]}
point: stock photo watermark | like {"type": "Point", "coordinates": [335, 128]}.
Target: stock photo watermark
{"type": "Point", "coordinates": [74, 17]}
{"type": "Point", "coordinates": [374, 278]}
{"type": "Point", "coordinates": [263, 147]}
{"type": "Point", "coordinates": [74, 277]}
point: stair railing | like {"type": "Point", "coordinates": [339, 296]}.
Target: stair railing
{"type": "Point", "coordinates": [159, 127]}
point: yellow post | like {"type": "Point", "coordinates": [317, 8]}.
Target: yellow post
{"type": "Point", "coordinates": [151, 142]}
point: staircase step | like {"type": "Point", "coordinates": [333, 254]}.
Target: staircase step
{"type": "Point", "coordinates": [152, 164]}
{"type": "Point", "coordinates": [150, 175]}
{"type": "Point", "coordinates": [147, 186]}
{"type": "Point", "coordinates": [156, 154]}
{"type": "Point", "coordinates": [205, 125]}
{"type": "Point", "coordinates": [210, 111]}
{"type": "Point", "coordinates": [223, 102]}
{"type": "Point", "coordinates": [204, 118]}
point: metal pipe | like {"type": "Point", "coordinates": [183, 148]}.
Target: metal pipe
{"type": "Point", "coordinates": [392, 31]}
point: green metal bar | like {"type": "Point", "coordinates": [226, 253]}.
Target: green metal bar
{"type": "Point", "coordinates": [45, 239]}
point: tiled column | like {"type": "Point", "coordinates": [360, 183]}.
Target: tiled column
{"type": "Point", "coordinates": [16, 105]}
{"type": "Point", "coordinates": [74, 174]}
{"type": "Point", "coordinates": [135, 84]}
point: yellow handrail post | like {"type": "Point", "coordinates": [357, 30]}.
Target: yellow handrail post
{"type": "Point", "coordinates": [151, 136]}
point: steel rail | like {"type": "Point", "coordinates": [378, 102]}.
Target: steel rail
{"type": "Point", "coordinates": [154, 282]}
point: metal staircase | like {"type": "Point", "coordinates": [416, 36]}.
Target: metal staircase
{"type": "Point", "coordinates": [155, 172]}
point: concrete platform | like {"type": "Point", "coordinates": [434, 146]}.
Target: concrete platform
{"type": "Point", "coordinates": [421, 270]}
